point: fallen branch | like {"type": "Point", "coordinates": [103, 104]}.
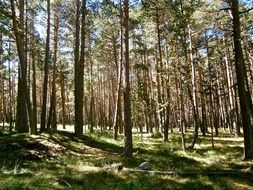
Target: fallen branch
{"type": "Point", "coordinates": [65, 182]}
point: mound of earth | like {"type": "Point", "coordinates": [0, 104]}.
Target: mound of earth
{"type": "Point", "coordinates": [30, 149]}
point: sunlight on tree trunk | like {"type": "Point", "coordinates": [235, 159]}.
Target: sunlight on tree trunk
{"type": "Point", "coordinates": [128, 144]}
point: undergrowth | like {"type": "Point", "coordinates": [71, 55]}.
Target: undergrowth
{"type": "Point", "coordinates": [62, 161]}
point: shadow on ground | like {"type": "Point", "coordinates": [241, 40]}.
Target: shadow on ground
{"type": "Point", "coordinates": [58, 161]}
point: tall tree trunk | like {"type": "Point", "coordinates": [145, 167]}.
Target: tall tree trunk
{"type": "Point", "coordinates": [241, 82]}
{"type": "Point", "coordinates": [202, 99]}
{"type": "Point", "coordinates": [23, 99]}
{"type": "Point", "coordinates": [34, 85]}
{"type": "Point", "coordinates": [92, 99]}
{"type": "Point", "coordinates": [47, 59]}
{"type": "Point", "coordinates": [168, 104]}
{"type": "Point", "coordinates": [1, 78]}
{"type": "Point", "coordinates": [79, 68]}
{"type": "Point", "coordinates": [52, 120]}
{"type": "Point", "coordinates": [116, 118]}
{"type": "Point", "coordinates": [78, 122]}
{"type": "Point", "coordinates": [211, 107]}
{"type": "Point", "coordinates": [120, 115]}
{"type": "Point", "coordinates": [182, 112]}
{"type": "Point", "coordinates": [3, 104]}
{"type": "Point", "coordinates": [91, 110]}
{"type": "Point", "coordinates": [21, 117]}
{"type": "Point", "coordinates": [159, 71]}
{"type": "Point", "coordinates": [194, 92]}
{"type": "Point", "coordinates": [231, 92]}
{"type": "Point", "coordinates": [128, 142]}
{"type": "Point", "coordinates": [63, 96]}
{"type": "Point", "coordinates": [82, 61]}
{"type": "Point", "coordinates": [249, 70]}
{"type": "Point", "coordinates": [167, 123]}
{"type": "Point", "coordinates": [10, 91]}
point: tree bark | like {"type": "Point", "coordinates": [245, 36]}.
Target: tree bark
{"type": "Point", "coordinates": [23, 99]}
{"type": "Point", "coordinates": [159, 71]}
{"type": "Point", "coordinates": [79, 68]}
{"type": "Point", "coordinates": [34, 85]}
{"type": "Point", "coordinates": [63, 96]}
{"type": "Point", "coordinates": [194, 92]}
{"type": "Point", "coordinates": [1, 78]}
{"type": "Point", "coordinates": [116, 119]}
{"type": "Point", "coordinates": [128, 144]}
{"type": "Point", "coordinates": [10, 113]}
{"type": "Point", "coordinates": [52, 120]}
{"type": "Point", "coordinates": [91, 88]}
{"type": "Point", "coordinates": [241, 82]}
{"type": "Point", "coordinates": [45, 84]}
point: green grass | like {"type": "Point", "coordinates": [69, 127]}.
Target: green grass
{"type": "Point", "coordinates": [62, 161]}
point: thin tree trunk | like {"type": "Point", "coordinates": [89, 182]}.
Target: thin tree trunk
{"type": "Point", "coordinates": [63, 96]}
{"type": "Point", "coordinates": [3, 104]}
{"type": "Point", "coordinates": [34, 85]}
{"type": "Point", "coordinates": [92, 101]}
{"type": "Point", "coordinates": [194, 93]}
{"type": "Point", "coordinates": [1, 78]}
{"type": "Point", "coordinates": [167, 123]}
{"type": "Point", "coordinates": [159, 70]}
{"type": "Point", "coordinates": [10, 91]}
{"type": "Point", "coordinates": [120, 123]}
{"type": "Point", "coordinates": [128, 144]}
{"type": "Point", "coordinates": [211, 110]}
{"type": "Point", "coordinates": [231, 92]}
{"type": "Point", "coordinates": [182, 114]}
{"type": "Point", "coordinates": [118, 93]}
{"type": "Point", "coordinates": [180, 100]}
{"type": "Point", "coordinates": [45, 84]}
{"type": "Point", "coordinates": [202, 99]}
{"type": "Point", "coordinates": [52, 120]}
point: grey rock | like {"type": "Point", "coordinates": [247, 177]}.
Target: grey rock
{"type": "Point", "coordinates": [145, 166]}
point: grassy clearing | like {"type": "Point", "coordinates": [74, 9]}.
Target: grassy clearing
{"type": "Point", "coordinates": [62, 161]}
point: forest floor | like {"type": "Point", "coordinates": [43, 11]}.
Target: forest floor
{"type": "Point", "coordinates": [62, 161]}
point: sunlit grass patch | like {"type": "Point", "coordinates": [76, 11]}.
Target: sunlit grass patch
{"type": "Point", "coordinates": [84, 163]}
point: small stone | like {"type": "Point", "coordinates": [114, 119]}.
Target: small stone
{"type": "Point", "coordinates": [145, 166]}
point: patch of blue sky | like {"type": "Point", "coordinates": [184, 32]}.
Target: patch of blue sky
{"type": "Point", "coordinates": [247, 3]}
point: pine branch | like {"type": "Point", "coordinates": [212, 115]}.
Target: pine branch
{"type": "Point", "coordinates": [246, 11]}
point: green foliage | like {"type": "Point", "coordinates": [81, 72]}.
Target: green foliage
{"type": "Point", "coordinates": [156, 135]}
